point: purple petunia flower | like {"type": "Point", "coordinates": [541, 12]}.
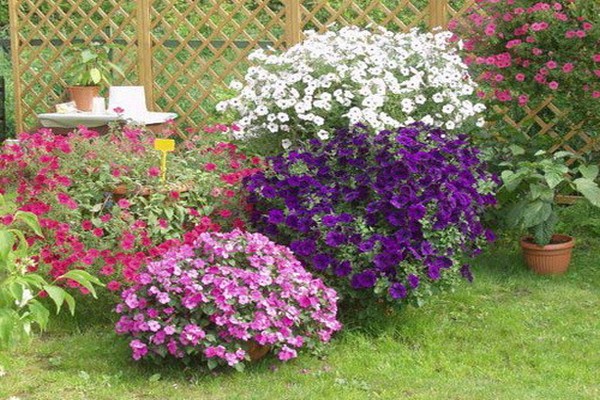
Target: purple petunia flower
{"type": "Point", "coordinates": [397, 291]}
{"type": "Point", "coordinates": [413, 281]}
{"type": "Point", "coordinates": [363, 280]}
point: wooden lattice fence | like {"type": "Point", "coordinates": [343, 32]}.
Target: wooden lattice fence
{"type": "Point", "coordinates": [186, 52]}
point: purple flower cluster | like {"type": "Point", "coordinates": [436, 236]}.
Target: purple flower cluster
{"type": "Point", "coordinates": [388, 213]}
{"type": "Point", "coordinates": [222, 294]}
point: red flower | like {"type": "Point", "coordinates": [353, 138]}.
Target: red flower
{"type": "Point", "coordinates": [113, 286]}
{"type": "Point", "coordinates": [225, 213]}
{"type": "Point", "coordinates": [174, 195]}
{"type": "Point", "coordinates": [98, 232]}
{"type": "Point", "coordinates": [210, 166]}
{"type": "Point", "coordinates": [87, 225]}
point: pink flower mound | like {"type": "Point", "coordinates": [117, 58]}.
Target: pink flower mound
{"type": "Point", "coordinates": [213, 298]}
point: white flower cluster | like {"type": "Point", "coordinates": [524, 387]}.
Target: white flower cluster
{"type": "Point", "coordinates": [340, 78]}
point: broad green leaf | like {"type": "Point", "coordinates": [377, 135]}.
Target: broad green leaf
{"type": "Point", "coordinates": [516, 150]}
{"type": "Point", "coordinates": [34, 280]}
{"type": "Point", "coordinates": [31, 220]}
{"type": "Point", "coordinates": [553, 179]}
{"type": "Point", "coordinates": [536, 213]}
{"type": "Point", "coordinates": [7, 240]}
{"type": "Point", "coordinates": [563, 154]}
{"type": "Point", "coordinates": [84, 279]}
{"type": "Point", "coordinates": [541, 192]}
{"type": "Point", "coordinates": [57, 295]}
{"type": "Point", "coordinates": [16, 290]}
{"type": "Point", "coordinates": [39, 314]}
{"type": "Point", "coordinates": [589, 189]}
{"type": "Point", "coordinates": [540, 153]}
{"type": "Point", "coordinates": [511, 180]}
{"type": "Point", "coordinates": [95, 75]}
{"type": "Point", "coordinates": [70, 302]}
{"type": "Point", "coordinates": [543, 232]}
{"type": "Point", "coordinates": [87, 56]}
{"type": "Point", "coordinates": [589, 171]}
{"type": "Point", "coordinates": [8, 320]}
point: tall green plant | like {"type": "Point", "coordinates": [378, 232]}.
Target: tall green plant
{"type": "Point", "coordinates": [530, 186]}
{"type": "Point", "coordinates": [20, 290]}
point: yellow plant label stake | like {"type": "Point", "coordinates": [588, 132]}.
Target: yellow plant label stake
{"type": "Point", "coordinates": [164, 146]}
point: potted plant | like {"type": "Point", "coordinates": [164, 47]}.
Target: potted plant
{"type": "Point", "coordinates": [533, 185]}
{"type": "Point", "coordinates": [91, 66]}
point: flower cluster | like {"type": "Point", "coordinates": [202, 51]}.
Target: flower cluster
{"type": "Point", "coordinates": [522, 50]}
{"type": "Point", "coordinates": [222, 293]}
{"type": "Point", "coordinates": [390, 214]}
{"type": "Point", "coordinates": [341, 78]}
{"type": "Point", "coordinates": [70, 183]}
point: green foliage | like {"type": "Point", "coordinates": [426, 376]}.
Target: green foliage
{"type": "Point", "coordinates": [20, 289]}
{"type": "Point", "coordinates": [530, 185]}
{"type": "Point", "coordinates": [91, 65]}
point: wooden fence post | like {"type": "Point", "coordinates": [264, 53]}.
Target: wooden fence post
{"type": "Point", "coordinates": [438, 13]}
{"type": "Point", "coordinates": [145, 50]}
{"type": "Point", "coordinates": [293, 22]}
{"type": "Point", "coordinates": [13, 6]}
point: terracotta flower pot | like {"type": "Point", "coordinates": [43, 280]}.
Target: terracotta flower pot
{"type": "Point", "coordinates": [257, 351]}
{"type": "Point", "coordinates": [83, 96]}
{"type": "Point", "coordinates": [552, 259]}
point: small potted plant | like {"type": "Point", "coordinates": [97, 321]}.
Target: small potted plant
{"type": "Point", "coordinates": [531, 186]}
{"type": "Point", "coordinates": [91, 66]}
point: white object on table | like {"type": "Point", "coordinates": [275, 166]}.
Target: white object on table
{"type": "Point", "coordinates": [130, 99]}
{"type": "Point", "coordinates": [98, 105]}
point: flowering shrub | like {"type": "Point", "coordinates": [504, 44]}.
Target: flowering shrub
{"type": "Point", "coordinates": [341, 78]}
{"type": "Point", "coordinates": [389, 215]}
{"type": "Point", "coordinates": [68, 181]}
{"type": "Point", "coordinates": [216, 296]}
{"type": "Point", "coordinates": [522, 50]}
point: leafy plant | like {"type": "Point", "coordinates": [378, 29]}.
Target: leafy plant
{"type": "Point", "coordinates": [530, 187]}
{"type": "Point", "coordinates": [91, 64]}
{"type": "Point", "coordinates": [20, 288]}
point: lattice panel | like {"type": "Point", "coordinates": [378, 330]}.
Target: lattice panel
{"type": "Point", "coordinates": [544, 125]}
{"type": "Point", "coordinates": [456, 8]}
{"type": "Point", "coordinates": [45, 29]}
{"type": "Point", "coordinates": [199, 47]}
{"type": "Point", "coordinates": [395, 15]}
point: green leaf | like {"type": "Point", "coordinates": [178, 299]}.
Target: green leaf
{"type": "Point", "coordinates": [563, 154]}
{"type": "Point", "coordinates": [39, 314]}
{"type": "Point", "coordinates": [540, 153]}
{"type": "Point", "coordinates": [57, 295]}
{"type": "Point", "coordinates": [154, 378]}
{"type": "Point", "coordinates": [84, 279]}
{"type": "Point", "coordinates": [589, 171]}
{"type": "Point", "coordinates": [8, 324]}
{"type": "Point", "coordinates": [553, 179]}
{"type": "Point", "coordinates": [516, 150]}
{"type": "Point", "coordinates": [536, 213]}
{"type": "Point", "coordinates": [589, 189]}
{"type": "Point", "coordinates": [511, 180]}
{"type": "Point", "coordinates": [543, 232]}
{"type": "Point", "coordinates": [31, 220]}
{"type": "Point", "coordinates": [95, 75]}
{"type": "Point", "coordinates": [70, 302]}
{"type": "Point", "coordinates": [87, 56]}
{"type": "Point", "coordinates": [7, 240]}
{"type": "Point", "coordinates": [541, 192]}
{"type": "Point", "coordinates": [212, 363]}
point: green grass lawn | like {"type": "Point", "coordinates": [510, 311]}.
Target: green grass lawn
{"type": "Point", "coordinates": [509, 335]}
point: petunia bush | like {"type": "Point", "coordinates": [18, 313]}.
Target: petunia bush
{"type": "Point", "coordinates": [340, 78]}
{"type": "Point", "coordinates": [101, 202]}
{"type": "Point", "coordinates": [523, 52]}
{"type": "Point", "coordinates": [388, 216]}
{"type": "Point", "coordinates": [219, 295]}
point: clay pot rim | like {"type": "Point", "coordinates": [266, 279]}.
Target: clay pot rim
{"type": "Point", "coordinates": [567, 242]}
